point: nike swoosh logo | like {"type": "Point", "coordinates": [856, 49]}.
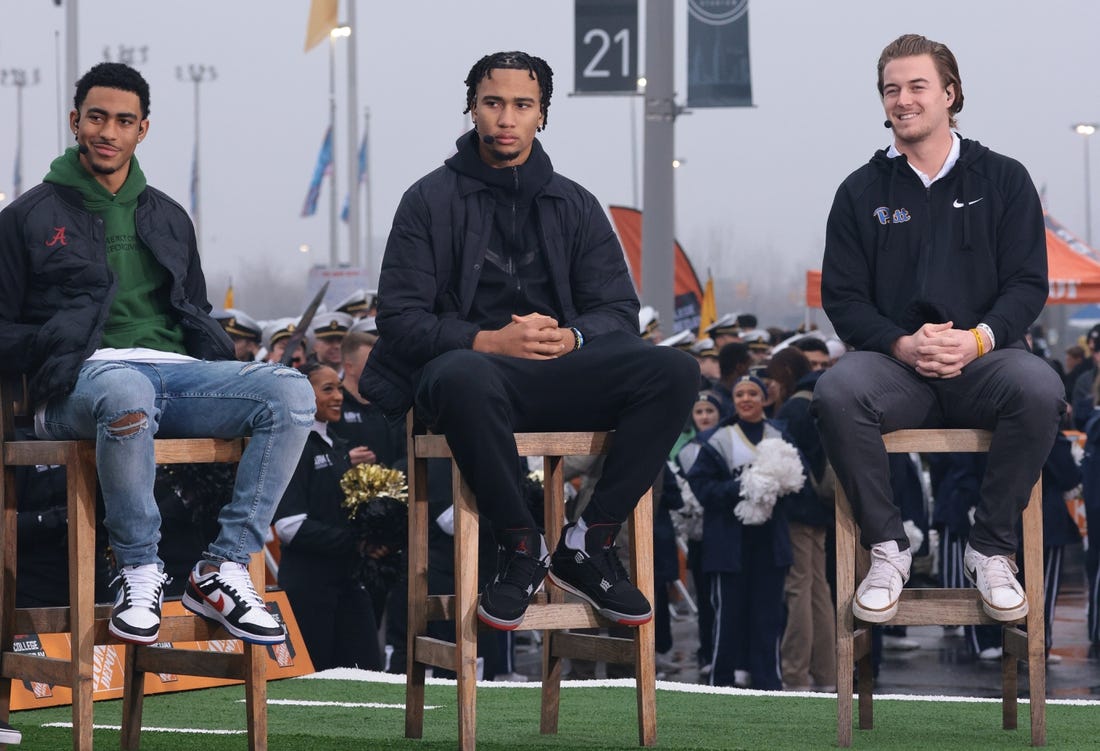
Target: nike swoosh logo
{"type": "Point", "coordinates": [959, 204]}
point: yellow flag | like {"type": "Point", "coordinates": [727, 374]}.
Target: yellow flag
{"type": "Point", "coordinates": [322, 20]}
{"type": "Point", "coordinates": [708, 310]}
{"type": "Point", "coordinates": [229, 296]}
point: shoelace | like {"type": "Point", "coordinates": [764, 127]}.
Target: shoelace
{"type": "Point", "coordinates": [236, 578]}
{"type": "Point", "coordinates": [143, 585]}
{"type": "Point", "coordinates": [999, 571]}
{"type": "Point", "coordinates": [610, 565]}
{"type": "Point", "coordinates": [881, 577]}
{"type": "Point", "coordinates": [520, 570]}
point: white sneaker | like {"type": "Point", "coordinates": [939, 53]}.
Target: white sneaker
{"type": "Point", "coordinates": [995, 577]}
{"type": "Point", "coordinates": [900, 643]}
{"type": "Point", "coordinates": [991, 653]}
{"type": "Point", "coordinates": [135, 616]}
{"type": "Point", "coordinates": [876, 599]}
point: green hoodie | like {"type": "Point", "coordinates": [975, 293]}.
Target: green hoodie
{"type": "Point", "coordinates": [140, 314]}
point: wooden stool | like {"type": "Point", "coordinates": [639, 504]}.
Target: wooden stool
{"type": "Point", "coordinates": [86, 624]}
{"type": "Point", "coordinates": [944, 607]}
{"type": "Point", "coordinates": [548, 611]}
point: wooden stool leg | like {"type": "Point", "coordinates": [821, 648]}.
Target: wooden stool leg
{"type": "Point", "coordinates": [466, 622]}
{"type": "Point", "coordinates": [845, 621]}
{"type": "Point", "coordinates": [133, 695]}
{"type": "Point", "coordinates": [1036, 627]}
{"type": "Point", "coordinates": [255, 669]}
{"type": "Point", "coordinates": [417, 561]}
{"type": "Point", "coordinates": [553, 484]}
{"type": "Point", "coordinates": [81, 481]}
{"type": "Point", "coordinates": [645, 668]}
{"type": "Point", "coordinates": [8, 525]}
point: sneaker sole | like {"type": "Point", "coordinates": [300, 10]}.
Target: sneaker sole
{"type": "Point", "coordinates": [200, 609]}
{"type": "Point", "coordinates": [129, 639]}
{"type": "Point", "coordinates": [1004, 615]}
{"type": "Point", "coordinates": [498, 623]}
{"type": "Point", "coordinates": [623, 619]}
{"type": "Point", "coordinates": [874, 616]}
{"type": "Point", "coordinates": [11, 737]}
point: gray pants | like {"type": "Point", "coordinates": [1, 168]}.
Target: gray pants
{"type": "Point", "coordinates": [1011, 392]}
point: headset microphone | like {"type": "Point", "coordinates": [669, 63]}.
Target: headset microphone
{"type": "Point", "coordinates": [82, 149]}
{"type": "Point", "coordinates": [488, 140]}
{"type": "Point", "coordinates": [888, 124]}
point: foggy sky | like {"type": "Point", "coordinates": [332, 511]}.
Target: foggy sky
{"type": "Point", "coordinates": [752, 195]}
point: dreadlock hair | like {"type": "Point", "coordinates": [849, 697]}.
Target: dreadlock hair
{"type": "Point", "coordinates": [113, 76]}
{"type": "Point", "coordinates": [537, 67]}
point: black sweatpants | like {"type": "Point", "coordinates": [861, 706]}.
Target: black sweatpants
{"type": "Point", "coordinates": [616, 381]}
{"type": "Point", "coordinates": [1011, 392]}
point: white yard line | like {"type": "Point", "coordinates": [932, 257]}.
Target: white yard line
{"type": "Point", "coordinates": [371, 676]}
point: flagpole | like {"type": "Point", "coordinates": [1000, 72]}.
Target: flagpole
{"type": "Point", "coordinates": [334, 254]}
{"type": "Point", "coordinates": [367, 189]}
{"type": "Point", "coordinates": [353, 142]}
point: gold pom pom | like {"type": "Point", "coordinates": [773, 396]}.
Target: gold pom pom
{"type": "Point", "coordinates": [365, 482]}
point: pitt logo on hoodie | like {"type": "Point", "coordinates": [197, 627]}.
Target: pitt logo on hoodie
{"type": "Point", "coordinates": [882, 213]}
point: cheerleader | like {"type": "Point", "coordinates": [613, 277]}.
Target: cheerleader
{"type": "Point", "coordinates": [744, 475]}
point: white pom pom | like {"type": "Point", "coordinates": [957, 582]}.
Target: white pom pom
{"type": "Point", "coordinates": [776, 471]}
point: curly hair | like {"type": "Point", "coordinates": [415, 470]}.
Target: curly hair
{"type": "Point", "coordinates": [113, 76]}
{"type": "Point", "coordinates": [538, 69]}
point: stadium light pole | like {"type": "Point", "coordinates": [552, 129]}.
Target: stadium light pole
{"type": "Point", "coordinates": [197, 74]}
{"type": "Point", "coordinates": [1086, 130]}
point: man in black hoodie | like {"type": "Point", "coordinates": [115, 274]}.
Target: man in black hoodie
{"type": "Point", "coordinates": [935, 266]}
{"type": "Point", "coordinates": [507, 306]}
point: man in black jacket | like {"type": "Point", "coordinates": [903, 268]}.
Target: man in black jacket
{"type": "Point", "coordinates": [935, 266]}
{"type": "Point", "coordinates": [507, 306]}
{"type": "Point", "coordinates": [103, 307]}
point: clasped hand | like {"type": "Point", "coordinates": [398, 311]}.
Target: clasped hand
{"type": "Point", "coordinates": [534, 336]}
{"type": "Point", "coordinates": [936, 350]}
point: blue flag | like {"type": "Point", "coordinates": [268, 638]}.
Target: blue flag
{"type": "Point", "coordinates": [362, 174]}
{"type": "Point", "coordinates": [324, 162]}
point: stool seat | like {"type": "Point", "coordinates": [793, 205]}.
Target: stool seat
{"type": "Point", "coordinates": [1023, 639]}
{"type": "Point", "coordinates": [549, 612]}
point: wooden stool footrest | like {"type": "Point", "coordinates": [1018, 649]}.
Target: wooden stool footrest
{"type": "Point", "coordinates": [592, 647]}
{"type": "Point", "coordinates": [38, 668]}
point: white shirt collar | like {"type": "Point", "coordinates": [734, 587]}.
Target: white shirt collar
{"type": "Point", "coordinates": [321, 429]}
{"type": "Point", "coordinates": [952, 157]}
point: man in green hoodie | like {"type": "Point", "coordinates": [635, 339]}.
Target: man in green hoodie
{"type": "Point", "coordinates": [103, 307]}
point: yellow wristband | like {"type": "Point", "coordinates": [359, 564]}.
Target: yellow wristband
{"type": "Point", "coordinates": [978, 338]}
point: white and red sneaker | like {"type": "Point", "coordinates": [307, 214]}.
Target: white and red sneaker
{"type": "Point", "coordinates": [226, 595]}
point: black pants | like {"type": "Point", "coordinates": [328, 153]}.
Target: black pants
{"type": "Point", "coordinates": [1011, 392]}
{"type": "Point", "coordinates": [615, 381]}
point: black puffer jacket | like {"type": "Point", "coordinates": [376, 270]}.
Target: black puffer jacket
{"type": "Point", "coordinates": [434, 258]}
{"type": "Point", "coordinates": [56, 287]}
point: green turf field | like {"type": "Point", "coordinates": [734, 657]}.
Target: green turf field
{"type": "Point", "coordinates": [361, 715]}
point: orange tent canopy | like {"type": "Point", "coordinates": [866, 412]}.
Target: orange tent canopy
{"type": "Point", "coordinates": [1072, 268]}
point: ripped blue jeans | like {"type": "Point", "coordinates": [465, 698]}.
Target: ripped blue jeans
{"type": "Point", "coordinates": [123, 405]}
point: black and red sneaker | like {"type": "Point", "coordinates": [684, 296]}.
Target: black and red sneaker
{"type": "Point", "coordinates": [597, 575]}
{"type": "Point", "coordinates": [226, 595]}
{"type": "Point", "coordinates": [521, 568]}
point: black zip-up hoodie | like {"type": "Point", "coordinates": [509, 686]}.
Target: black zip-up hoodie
{"type": "Point", "coordinates": [969, 249]}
